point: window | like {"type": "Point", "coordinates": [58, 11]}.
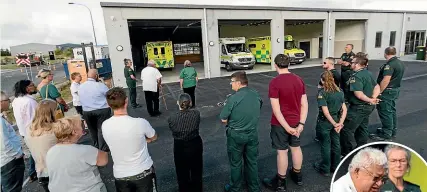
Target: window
{"type": "Point", "coordinates": [224, 51]}
{"type": "Point", "coordinates": [156, 52]}
{"type": "Point", "coordinates": [186, 49]}
{"type": "Point", "coordinates": [236, 48]}
{"type": "Point", "coordinates": [252, 46]}
{"type": "Point", "coordinates": [414, 39]}
{"type": "Point", "coordinates": [162, 50]}
{"type": "Point", "coordinates": [378, 39]}
{"type": "Point", "coordinates": [392, 38]}
{"type": "Point", "coordinates": [290, 45]}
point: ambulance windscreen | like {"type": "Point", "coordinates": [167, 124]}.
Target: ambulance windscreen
{"type": "Point", "coordinates": [236, 48]}
{"type": "Point", "coordinates": [289, 45]}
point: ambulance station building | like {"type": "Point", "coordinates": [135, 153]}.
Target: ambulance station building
{"type": "Point", "coordinates": [172, 34]}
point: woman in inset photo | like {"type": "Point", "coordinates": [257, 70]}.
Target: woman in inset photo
{"type": "Point", "coordinates": [399, 164]}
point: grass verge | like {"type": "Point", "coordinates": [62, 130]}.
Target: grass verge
{"type": "Point", "coordinates": [9, 66]}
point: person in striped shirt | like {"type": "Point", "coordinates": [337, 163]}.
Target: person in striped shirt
{"type": "Point", "coordinates": [188, 145]}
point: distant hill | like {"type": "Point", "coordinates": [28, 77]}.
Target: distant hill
{"type": "Point", "coordinates": [68, 45]}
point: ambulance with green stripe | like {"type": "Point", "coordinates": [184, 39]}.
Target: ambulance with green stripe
{"type": "Point", "coordinates": [261, 48]}
{"type": "Point", "coordinates": [235, 54]}
{"type": "Point", "coordinates": [162, 54]}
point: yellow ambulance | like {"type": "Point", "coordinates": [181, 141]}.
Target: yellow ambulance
{"type": "Point", "coordinates": [261, 48]}
{"type": "Point", "coordinates": [235, 54]}
{"type": "Point", "coordinates": [162, 53]}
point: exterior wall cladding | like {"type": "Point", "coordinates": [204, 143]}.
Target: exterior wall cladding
{"type": "Point", "coordinates": [366, 22]}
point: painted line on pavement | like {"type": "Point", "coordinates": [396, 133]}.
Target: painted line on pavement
{"type": "Point", "coordinates": [265, 75]}
{"type": "Point", "coordinates": [6, 70]}
{"type": "Point", "coordinates": [414, 77]}
{"type": "Point", "coordinates": [171, 92]}
{"type": "Point", "coordinates": [26, 182]}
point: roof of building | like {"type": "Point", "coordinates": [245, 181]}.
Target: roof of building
{"type": "Point", "coordinates": [234, 7]}
{"type": "Point", "coordinates": [32, 44]}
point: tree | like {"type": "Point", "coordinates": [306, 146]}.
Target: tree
{"type": "Point", "coordinates": [68, 52]}
{"type": "Point", "coordinates": [5, 52]}
{"type": "Point", "coordinates": [58, 52]}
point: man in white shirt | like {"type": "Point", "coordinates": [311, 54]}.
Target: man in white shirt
{"type": "Point", "coordinates": [366, 172]}
{"type": "Point", "coordinates": [24, 108]}
{"type": "Point", "coordinates": [151, 82]}
{"type": "Point", "coordinates": [127, 138]}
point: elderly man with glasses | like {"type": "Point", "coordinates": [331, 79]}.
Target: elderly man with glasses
{"type": "Point", "coordinates": [366, 173]}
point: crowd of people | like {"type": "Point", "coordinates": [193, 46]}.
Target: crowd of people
{"type": "Point", "coordinates": [60, 164]}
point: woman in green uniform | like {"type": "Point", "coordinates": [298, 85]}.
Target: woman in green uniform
{"type": "Point", "coordinates": [332, 113]}
{"type": "Point", "coordinates": [399, 164]}
{"type": "Point", "coordinates": [188, 81]}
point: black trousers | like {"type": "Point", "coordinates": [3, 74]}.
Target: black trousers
{"type": "Point", "coordinates": [12, 175]}
{"type": "Point", "coordinates": [132, 96]}
{"type": "Point", "coordinates": [44, 182]}
{"type": "Point", "coordinates": [145, 184]}
{"type": "Point", "coordinates": [188, 157]}
{"type": "Point", "coordinates": [94, 120]}
{"type": "Point", "coordinates": [152, 101]}
{"type": "Point", "coordinates": [191, 92]}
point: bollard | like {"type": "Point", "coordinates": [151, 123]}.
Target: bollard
{"type": "Point", "coordinates": [54, 67]}
{"type": "Point", "coordinates": [21, 70]}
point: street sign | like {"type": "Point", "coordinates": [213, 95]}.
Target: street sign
{"type": "Point", "coordinates": [51, 55]}
{"type": "Point", "coordinates": [22, 59]}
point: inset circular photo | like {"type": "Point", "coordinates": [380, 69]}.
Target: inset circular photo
{"type": "Point", "coordinates": [381, 167]}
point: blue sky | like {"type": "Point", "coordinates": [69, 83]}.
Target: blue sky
{"type": "Point", "coordinates": [56, 22]}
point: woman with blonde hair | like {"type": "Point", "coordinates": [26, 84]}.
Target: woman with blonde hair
{"type": "Point", "coordinates": [40, 138]}
{"type": "Point", "coordinates": [188, 81]}
{"type": "Point", "coordinates": [73, 167]}
{"type": "Point", "coordinates": [332, 113]}
{"type": "Point", "coordinates": [48, 91]}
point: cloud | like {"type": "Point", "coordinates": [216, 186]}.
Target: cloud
{"type": "Point", "coordinates": [56, 22]}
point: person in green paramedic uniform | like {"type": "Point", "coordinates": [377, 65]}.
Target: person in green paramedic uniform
{"type": "Point", "coordinates": [332, 113]}
{"type": "Point", "coordinates": [241, 114]}
{"type": "Point", "coordinates": [346, 70]}
{"type": "Point", "coordinates": [389, 79]}
{"type": "Point", "coordinates": [362, 100]}
{"type": "Point", "coordinates": [329, 65]}
{"type": "Point", "coordinates": [188, 81]}
{"type": "Point", "coordinates": [399, 164]}
{"type": "Point", "coordinates": [131, 82]}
